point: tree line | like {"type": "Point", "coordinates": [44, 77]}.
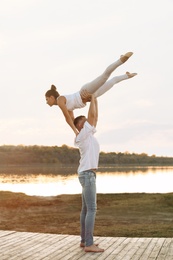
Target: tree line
{"type": "Point", "coordinates": [64, 155]}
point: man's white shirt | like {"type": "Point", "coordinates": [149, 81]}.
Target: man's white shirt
{"type": "Point", "coordinates": [89, 148]}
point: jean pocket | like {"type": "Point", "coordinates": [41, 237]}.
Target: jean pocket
{"type": "Point", "coordinates": [92, 179]}
{"type": "Point", "coordinates": [82, 181]}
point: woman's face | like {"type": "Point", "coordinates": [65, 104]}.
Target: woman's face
{"type": "Point", "coordinates": [50, 100]}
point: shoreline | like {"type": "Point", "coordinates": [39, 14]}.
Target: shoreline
{"type": "Point", "coordinates": [125, 214]}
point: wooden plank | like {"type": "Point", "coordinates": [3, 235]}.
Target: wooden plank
{"type": "Point", "coordinates": [104, 242]}
{"type": "Point", "coordinates": [156, 249]}
{"type": "Point", "coordinates": [149, 248]}
{"type": "Point", "coordinates": [141, 246]}
{"type": "Point", "coordinates": [164, 249]}
{"type": "Point", "coordinates": [11, 241]}
{"type": "Point", "coordinates": [169, 254]}
{"type": "Point", "coordinates": [40, 246]}
{"type": "Point", "coordinates": [57, 247]}
{"type": "Point", "coordinates": [5, 233]}
{"type": "Point", "coordinates": [17, 244]}
{"type": "Point", "coordinates": [58, 250]}
{"type": "Point", "coordinates": [69, 249]}
{"type": "Point", "coordinates": [120, 247]}
{"type": "Point", "coordinates": [109, 249]}
{"type": "Point", "coordinates": [108, 244]}
{"type": "Point", "coordinates": [128, 248]}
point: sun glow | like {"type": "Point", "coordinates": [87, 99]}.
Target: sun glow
{"type": "Point", "coordinates": [157, 181]}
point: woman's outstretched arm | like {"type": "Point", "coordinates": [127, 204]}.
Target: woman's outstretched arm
{"type": "Point", "coordinates": [67, 114]}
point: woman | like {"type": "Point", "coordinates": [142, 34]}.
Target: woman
{"type": "Point", "coordinates": [98, 87]}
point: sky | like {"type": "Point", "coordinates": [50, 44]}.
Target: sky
{"type": "Point", "coordinates": [69, 43]}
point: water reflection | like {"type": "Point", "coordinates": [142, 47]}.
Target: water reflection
{"type": "Point", "coordinates": [40, 185]}
{"type": "Point", "coordinates": [36, 181]}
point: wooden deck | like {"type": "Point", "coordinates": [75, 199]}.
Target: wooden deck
{"type": "Point", "coordinates": [35, 246]}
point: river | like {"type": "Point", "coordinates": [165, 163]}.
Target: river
{"type": "Point", "coordinates": [48, 181]}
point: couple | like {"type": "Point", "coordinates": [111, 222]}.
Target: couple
{"type": "Point", "coordinates": [84, 128]}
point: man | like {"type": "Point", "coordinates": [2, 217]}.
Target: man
{"type": "Point", "coordinates": [89, 157]}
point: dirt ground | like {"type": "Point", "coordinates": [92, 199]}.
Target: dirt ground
{"type": "Point", "coordinates": [133, 215]}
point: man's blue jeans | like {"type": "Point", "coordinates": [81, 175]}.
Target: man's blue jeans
{"type": "Point", "coordinates": [89, 206]}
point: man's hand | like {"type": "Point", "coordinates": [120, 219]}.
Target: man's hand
{"type": "Point", "coordinates": [85, 95]}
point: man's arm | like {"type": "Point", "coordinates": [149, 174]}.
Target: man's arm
{"type": "Point", "coordinates": [96, 108]}
{"type": "Point", "coordinates": [93, 112]}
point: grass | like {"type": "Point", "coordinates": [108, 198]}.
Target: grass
{"type": "Point", "coordinates": [129, 215]}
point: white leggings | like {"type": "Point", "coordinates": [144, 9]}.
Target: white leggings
{"type": "Point", "coordinates": [100, 85]}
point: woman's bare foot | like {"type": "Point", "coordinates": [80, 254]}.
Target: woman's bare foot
{"type": "Point", "coordinates": [94, 249]}
{"type": "Point", "coordinates": [83, 244]}
{"type": "Point", "coordinates": [126, 56]}
{"type": "Point", "coordinates": [131, 75]}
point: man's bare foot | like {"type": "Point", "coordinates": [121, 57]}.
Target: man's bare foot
{"type": "Point", "coordinates": [131, 75]}
{"type": "Point", "coordinates": [94, 249]}
{"type": "Point", "coordinates": [83, 244]}
{"type": "Point", "coordinates": [126, 56]}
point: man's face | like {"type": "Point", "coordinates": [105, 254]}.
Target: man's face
{"type": "Point", "coordinates": [81, 123]}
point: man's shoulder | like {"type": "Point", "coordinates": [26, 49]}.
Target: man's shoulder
{"type": "Point", "coordinates": [85, 132]}
{"type": "Point", "coordinates": [87, 124]}
{"type": "Point", "coordinates": [87, 128]}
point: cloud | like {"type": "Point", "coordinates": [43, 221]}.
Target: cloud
{"type": "Point", "coordinates": [148, 137]}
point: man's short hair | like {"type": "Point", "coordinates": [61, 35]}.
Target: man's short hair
{"type": "Point", "coordinates": [77, 119]}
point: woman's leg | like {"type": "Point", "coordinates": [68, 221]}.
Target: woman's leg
{"type": "Point", "coordinates": [110, 83]}
{"type": "Point", "coordinates": [93, 86]}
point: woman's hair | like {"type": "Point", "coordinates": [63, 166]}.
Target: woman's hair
{"type": "Point", "coordinates": [77, 119]}
{"type": "Point", "coordinates": [52, 92]}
